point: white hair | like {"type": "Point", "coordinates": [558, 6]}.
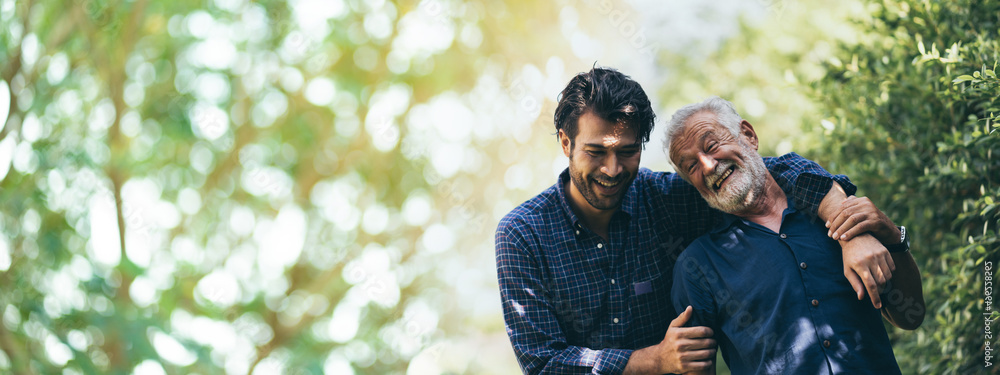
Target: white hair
{"type": "Point", "coordinates": [724, 111]}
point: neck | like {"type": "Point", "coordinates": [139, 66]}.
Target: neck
{"type": "Point", "coordinates": [593, 218]}
{"type": "Point", "coordinates": [768, 208]}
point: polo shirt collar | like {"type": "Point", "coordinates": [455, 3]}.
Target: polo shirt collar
{"type": "Point", "coordinates": [728, 219]}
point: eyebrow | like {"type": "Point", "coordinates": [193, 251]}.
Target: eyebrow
{"type": "Point", "coordinates": [598, 145]}
{"type": "Point", "coordinates": [708, 133]}
{"type": "Point", "coordinates": [700, 140]}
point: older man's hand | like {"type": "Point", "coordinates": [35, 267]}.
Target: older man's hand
{"type": "Point", "coordinates": [862, 229]}
{"type": "Point", "coordinates": [867, 265]}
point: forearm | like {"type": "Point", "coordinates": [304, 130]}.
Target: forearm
{"type": "Point", "coordinates": [830, 205]}
{"type": "Point", "coordinates": [904, 301]}
{"type": "Point", "coordinates": [805, 181]}
{"type": "Point", "coordinates": [572, 360]}
{"type": "Point", "coordinates": [643, 361]}
{"type": "Point", "coordinates": [646, 361]}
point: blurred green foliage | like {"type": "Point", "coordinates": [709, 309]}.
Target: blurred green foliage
{"type": "Point", "coordinates": [241, 187]}
{"type": "Point", "coordinates": [310, 186]}
{"type": "Point", "coordinates": [913, 113]}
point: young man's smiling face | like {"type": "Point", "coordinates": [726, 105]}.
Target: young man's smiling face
{"type": "Point", "coordinates": [603, 161]}
{"type": "Point", "coordinates": [726, 169]}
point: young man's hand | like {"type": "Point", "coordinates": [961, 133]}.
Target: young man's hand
{"type": "Point", "coordinates": [683, 350]}
{"type": "Point", "coordinates": [859, 215]}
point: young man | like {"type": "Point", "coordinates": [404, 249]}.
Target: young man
{"type": "Point", "coordinates": [585, 267]}
{"type": "Point", "coordinates": [765, 278]}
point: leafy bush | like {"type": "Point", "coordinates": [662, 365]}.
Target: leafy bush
{"type": "Point", "coordinates": [913, 116]}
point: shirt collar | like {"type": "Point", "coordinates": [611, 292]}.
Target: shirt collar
{"type": "Point", "coordinates": [728, 219]}
{"type": "Point", "coordinates": [626, 210]}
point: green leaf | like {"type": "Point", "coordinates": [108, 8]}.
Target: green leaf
{"type": "Point", "coordinates": [962, 78]}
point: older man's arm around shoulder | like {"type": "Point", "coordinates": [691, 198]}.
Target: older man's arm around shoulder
{"type": "Point", "coordinates": [859, 222]}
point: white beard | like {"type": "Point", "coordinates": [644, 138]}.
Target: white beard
{"type": "Point", "coordinates": [744, 186]}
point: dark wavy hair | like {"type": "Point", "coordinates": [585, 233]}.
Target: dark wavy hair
{"type": "Point", "coordinates": [612, 96]}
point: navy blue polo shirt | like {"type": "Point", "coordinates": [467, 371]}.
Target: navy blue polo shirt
{"type": "Point", "coordinates": [779, 302]}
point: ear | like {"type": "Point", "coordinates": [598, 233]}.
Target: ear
{"type": "Point", "coordinates": [748, 134]}
{"type": "Point", "coordinates": [566, 143]}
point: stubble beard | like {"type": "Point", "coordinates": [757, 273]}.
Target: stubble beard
{"type": "Point", "coordinates": [586, 189]}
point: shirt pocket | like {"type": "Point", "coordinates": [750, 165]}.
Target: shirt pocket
{"type": "Point", "coordinates": [651, 309]}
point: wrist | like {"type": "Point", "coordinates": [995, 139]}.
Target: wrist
{"type": "Point", "coordinates": [830, 204]}
{"type": "Point", "coordinates": [894, 237]}
{"type": "Point", "coordinates": [659, 359]}
{"type": "Point", "coordinates": [902, 243]}
{"type": "Point", "coordinates": [863, 239]}
{"type": "Point", "coordinates": [647, 360]}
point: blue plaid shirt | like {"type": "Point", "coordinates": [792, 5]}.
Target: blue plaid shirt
{"type": "Point", "coordinates": [574, 303]}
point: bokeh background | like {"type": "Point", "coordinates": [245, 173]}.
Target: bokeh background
{"type": "Point", "coordinates": [312, 186]}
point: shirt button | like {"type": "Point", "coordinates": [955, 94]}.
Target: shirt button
{"type": "Point", "coordinates": [803, 265]}
{"type": "Point", "coordinates": [612, 281]}
{"type": "Point", "coordinates": [577, 233]}
{"type": "Point", "coordinates": [826, 343]}
{"type": "Point", "coordinates": [616, 321]}
{"type": "Point", "coordinates": [600, 245]}
{"type": "Point", "coordinates": [783, 235]}
{"type": "Point", "coordinates": [815, 302]}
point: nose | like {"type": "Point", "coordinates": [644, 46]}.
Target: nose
{"type": "Point", "coordinates": [611, 167]}
{"type": "Point", "coordinates": [707, 162]}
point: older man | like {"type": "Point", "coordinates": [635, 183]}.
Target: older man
{"type": "Point", "coordinates": [765, 278]}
